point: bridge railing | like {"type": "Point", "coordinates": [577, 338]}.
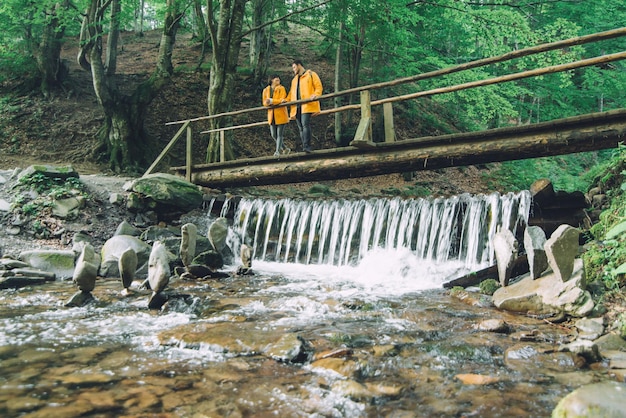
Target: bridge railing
{"type": "Point", "coordinates": [363, 135]}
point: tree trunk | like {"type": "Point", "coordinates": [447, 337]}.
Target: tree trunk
{"type": "Point", "coordinates": [226, 41]}
{"type": "Point", "coordinates": [114, 34]}
{"type": "Point", "coordinates": [48, 53]}
{"type": "Point", "coordinates": [338, 59]}
{"type": "Point", "coordinates": [123, 138]}
{"type": "Point", "coordinates": [260, 43]}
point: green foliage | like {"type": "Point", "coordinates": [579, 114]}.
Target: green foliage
{"type": "Point", "coordinates": [567, 172]}
{"type": "Point", "coordinates": [621, 325]}
{"type": "Point", "coordinates": [47, 190]}
{"type": "Point", "coordinates": [605, 258]}
{"type": "Point", "coordinates": [489, 286]}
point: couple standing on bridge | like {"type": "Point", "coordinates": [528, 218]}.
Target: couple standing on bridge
{"type": "Point", "coordinates": [306, 84]}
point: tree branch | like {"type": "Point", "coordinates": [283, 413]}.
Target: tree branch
{"type": "Point", "coordinates": [285, 17]}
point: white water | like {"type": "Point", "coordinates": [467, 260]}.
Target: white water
{"type": "Point", "coordinates": [381, 246]}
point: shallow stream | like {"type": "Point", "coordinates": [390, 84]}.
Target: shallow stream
{"type": "Point", "coordinates": [375, 337]}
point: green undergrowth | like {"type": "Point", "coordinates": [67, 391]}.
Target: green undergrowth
{"type": "Point", "coordinates": [36, 193]}
{"type": "Point", "coordinates": [605, 256]}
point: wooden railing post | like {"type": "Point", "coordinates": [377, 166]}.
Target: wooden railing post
{"type": "Point", "coordinates": [390, 131]}
{"type": "Point", "coordinates": [363, 135]}
{"type": "Point", "coordinates": [189, 157]}
{"type": "Point", "coordinates": [222, 151]}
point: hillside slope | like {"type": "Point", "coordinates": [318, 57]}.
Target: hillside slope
{"type": "Point", "coordinates": [62, 129]}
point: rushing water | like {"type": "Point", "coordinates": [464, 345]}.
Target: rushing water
{"type": "Point", "coordinates": [377, 335]}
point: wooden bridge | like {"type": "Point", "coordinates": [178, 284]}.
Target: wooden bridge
{"type": "Point", "coordinates": [369, 156]}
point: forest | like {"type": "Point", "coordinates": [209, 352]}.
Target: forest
{"type": "Point", "coordinates": [237, 44]}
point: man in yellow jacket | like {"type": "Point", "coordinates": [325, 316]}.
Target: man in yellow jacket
{"type": "Point", "coordinates": [306, 84]}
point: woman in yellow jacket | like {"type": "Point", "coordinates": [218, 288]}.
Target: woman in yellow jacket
{"type": "Point", "coordinates": [306, 84]}
{"type": "Point", "coordinates": [277, 118]}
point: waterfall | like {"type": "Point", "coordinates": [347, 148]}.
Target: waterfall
{"type": "Point", "coordinates": [341, 232]}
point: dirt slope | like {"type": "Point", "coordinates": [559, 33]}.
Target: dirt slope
{"type": "Point", "coordinates": [62, 129]}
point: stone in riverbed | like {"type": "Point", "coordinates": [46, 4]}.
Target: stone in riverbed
{"type": "Point", "coordinates": [596, 400]}
{"type": "Point", "coordinates": [505, 247]}
{"type": "Point", "coordinates": [561, 250]}
{"type": "Point", "coordinates": [534, 241]}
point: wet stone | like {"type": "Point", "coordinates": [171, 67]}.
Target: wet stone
{"type": "Point", "coordinates": [346, 368]}
{"type": "Point", "coordinates": [23, 404]}
{"type": "Point", "coordinates": [88, 379]}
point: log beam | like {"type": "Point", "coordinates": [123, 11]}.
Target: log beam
{"type": "Point", "coordinates": [565, 136]}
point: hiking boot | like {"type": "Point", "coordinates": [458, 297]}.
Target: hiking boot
{"type": "Point", "coordinates": [276, 154]}
{"type": "Point", "coordinates": [286, 150]}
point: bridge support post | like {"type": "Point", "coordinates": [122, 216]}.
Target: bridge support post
{"type": "Point", "coordinates": [188, 159]}
{"type": "Point", "coordinates": [390, 130]}
{"type": "Point", "coordinates": [222, 150]}
{"type": "Point", "coordinates": [363, 135]}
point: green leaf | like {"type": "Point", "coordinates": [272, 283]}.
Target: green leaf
{"type": "Point", "coordinates": [620, 270]}
{"type": "Point", "coordinates": [616, 231]}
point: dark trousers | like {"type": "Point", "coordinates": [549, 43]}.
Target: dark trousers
{"type": "Point", "coordinates": [304, 126]}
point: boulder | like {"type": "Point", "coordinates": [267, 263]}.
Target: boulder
{"type": "Point", "coordinates": [217, 233]}
{"type": "Point", "coordinates": [59, 262]}
{"type": "Point", "coordinates": [604, 399]}
{"type": "Point", "coordinates": [125, 228]}
{"type": "Point", "coordinates": [547, 294]}
{"type": "Point", "coordinates": [158, 267]}
{"type": "Point", "coordinates": [561, 250]}
{"type": "Point", "coordinates": [167, 194]}
{"type": "Point", "coordinates": [113, 249]}
{"type": "Point", "coordinates": [67, 208]}
{"type": "Point", "coordinates": [534, 241]}
{"type": "Point", "coordinates": [505, 247]}
{"type": "Point", "coordinates": [60, 172]}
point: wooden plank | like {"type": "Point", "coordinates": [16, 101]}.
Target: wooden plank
{"type": "Point", "coordinates": [167, 148]}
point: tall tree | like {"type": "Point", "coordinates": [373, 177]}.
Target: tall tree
{"type": "Point", "coordinates": [123, 139]}
{"type": "Point", "coordinates": [225, 27]}
{"type": "Point", "coordinates": [35, 29]}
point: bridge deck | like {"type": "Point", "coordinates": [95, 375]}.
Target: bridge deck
{"type": "Point", "coordinates": [564, 136]}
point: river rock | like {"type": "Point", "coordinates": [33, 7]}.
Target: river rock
{"type": "Point", "coordinates": [115, 246]}
{"type": "Point", "coordinates": [606, 399]}
{"type": "Point", "coordinates": [167, 194]}
{"type": "Point", "coordinates": [217, 233]}
{"type": "Point", "coordinates": [289, 349]}
{"type": "Point", "coordinates": [505, 247]}
{"type": "Point", "coordinates": [547, 295]}
{"type": "Point", "coordinates": [158, 267]}
{"type": "Point", "coordinates": [79, 299]}
{"type": "Point", "coordinates": [4, 206]}
{"type": "Point", "coordinates": [59, 262]}
{"type": "Point", "coordinates": [590, 328]}
{"type": "Point", "coordinates": [534, 241]}
{"type": "Point", "coordinates": [86, 270]}
{"type": "Point", "coordinates": [127, 265]}
{"type": "Point", "coordinates": [187, 248]}
{"type": "Point", "coordinates": [561, 250]}
{"type": "Point", "coordinates": [125, 228]}
{"type": "Point", "coordinates": [211, 258]}
{"type": "Point", "coordinates": [60, 172]}
{"type": "Point", "coordinates": [584, 348]}
{"type": "Point", "coordinates": [67, 208]}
